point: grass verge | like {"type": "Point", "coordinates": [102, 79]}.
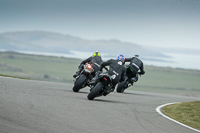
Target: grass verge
{"type": "Point", "coordinates": [187, 113]}
{"type": "Point", "coordinates": [13, 76]}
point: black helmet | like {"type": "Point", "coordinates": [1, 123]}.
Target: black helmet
{"type": "Point", "coordinates": [137, 56]}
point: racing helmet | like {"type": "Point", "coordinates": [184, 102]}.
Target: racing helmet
{"type": "Point", "coordinates": [137, 55]}
{"type": "Point", "coordinates": [121, 58]}
{"type": "Point", "coordinates": [96, 54]}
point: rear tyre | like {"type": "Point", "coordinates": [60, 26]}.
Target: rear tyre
{"type": "Point", "coordinates": [120, 87]}
{"type": "Point", "coordinates": [79, 83]}
{"type": "Point", "coordinates": [95, 91]}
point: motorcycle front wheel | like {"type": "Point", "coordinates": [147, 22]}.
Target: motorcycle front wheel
{"type": "Point", "coordinates": [79, 83]}
{"type": "Point", "coordinates": [95, 91]}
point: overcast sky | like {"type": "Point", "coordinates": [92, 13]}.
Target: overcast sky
{"type": "Point", "coordinates": [160, 23]}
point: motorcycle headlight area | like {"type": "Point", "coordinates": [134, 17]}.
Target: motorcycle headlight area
{"type": "Point", "coordinates": [88, 68]}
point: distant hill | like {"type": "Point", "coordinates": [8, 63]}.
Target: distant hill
{"type": "Point", "coordinates": [41, 41]}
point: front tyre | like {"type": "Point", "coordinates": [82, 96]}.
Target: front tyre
{"type": "Point", "coordinates": [79, 83]}
{"type": "Point", "coordinates": [95, 91]}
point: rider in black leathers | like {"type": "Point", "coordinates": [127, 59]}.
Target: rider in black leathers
{"type": "Point", "coordinates": [136, 64]}
{"type": "Point", "coordinates": [96, 63]}
{"type": "Point", "coordinates": [116, 68]}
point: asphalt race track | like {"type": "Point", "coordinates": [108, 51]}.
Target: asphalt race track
{"type": "Point", "coordinates": [28, 106]}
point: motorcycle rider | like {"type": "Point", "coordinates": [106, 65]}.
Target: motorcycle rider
{"type": "Point", "coordinates": [96, 61]}
{"type": "Point", "coordinates": [136, 64]}
{"type": "Point", "coordinates": [116, 68]}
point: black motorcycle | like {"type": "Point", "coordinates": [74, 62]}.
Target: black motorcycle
{"type": "Point", "coordinates": [102, 87]}
{"type": "Point", "coordinates": [84, 78]}
{"type": "Point", "coordinates": [128, 80]}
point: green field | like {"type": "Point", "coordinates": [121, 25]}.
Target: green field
{"type": "Point", "coordinates": [60, 69]}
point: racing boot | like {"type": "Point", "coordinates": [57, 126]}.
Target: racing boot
{"type": "Point", "coordinates": [112, 89]}
{"type": "Point", "coordinates": [107, 92]}
{"type": "Point", "coordinates": [77, 73]}
{"type": "Point", "coordinates": [134, 79]}
{"type": "Point", "coordinates": [93, 81]}
{"type": "Point", "coordinates": [80, 68]}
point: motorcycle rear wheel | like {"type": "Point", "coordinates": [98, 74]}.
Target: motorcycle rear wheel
{"type": "Point", "coordinates": [120, 87]}
{"type": "Point", "coordinates": [95, 91]}
{"type": "Point", "coordinates": [79, 83]}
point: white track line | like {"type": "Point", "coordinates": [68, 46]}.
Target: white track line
{"type": "Point", "coordinates": [158, 109]}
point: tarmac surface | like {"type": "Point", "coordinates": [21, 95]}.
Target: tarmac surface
{"type": "Point", "coordinates": [28, 106]}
